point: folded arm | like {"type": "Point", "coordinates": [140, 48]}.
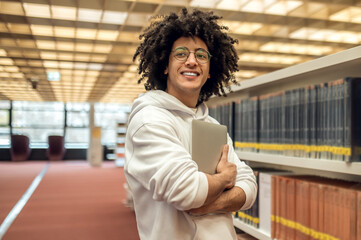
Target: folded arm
{"type": "Point", "coordinates": [229, 201]}
{"type": "Point", "coordinates": [223, 197]}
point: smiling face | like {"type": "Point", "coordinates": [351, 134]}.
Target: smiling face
{"type": "Point", "coordinates": [186, 78]}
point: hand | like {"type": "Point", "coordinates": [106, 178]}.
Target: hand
{"type": "Point", "coordinates": [227, 170]}
{"type": "Point", "coordinates": [223, 179]}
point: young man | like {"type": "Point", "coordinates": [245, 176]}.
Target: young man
{"type": "Point", "coordinates": [184, 59]}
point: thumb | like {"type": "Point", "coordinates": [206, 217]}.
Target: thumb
{"type": "Point", "coordinates": [224, 153]}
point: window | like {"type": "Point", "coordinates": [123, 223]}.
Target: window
{"type": "Point", "coordinates": [38, 120]}
{"type": "Point", "coordinates": [107, 115]}
{"type": "Point", "coordinates": [77, 125]}
{"type": "Point", "coordinates": [4, 123]}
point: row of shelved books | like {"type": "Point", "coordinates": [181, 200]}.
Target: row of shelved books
{"type": "Point", "coordinates": [224, 115]}
{"type": "Point", "coordinates": [302, 207]}
{"type": "Point", "coordinates": [316, 121]}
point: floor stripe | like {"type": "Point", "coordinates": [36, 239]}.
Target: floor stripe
{"type": "Point", "coordinates": [21, 203]}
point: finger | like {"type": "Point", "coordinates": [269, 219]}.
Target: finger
{"type": "Point", "coordinates": [225, 152]}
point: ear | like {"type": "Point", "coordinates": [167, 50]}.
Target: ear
{"type": "Point", "coordinates": [209, 75]}
{"type": "Point", "coordinates": [166, 70]}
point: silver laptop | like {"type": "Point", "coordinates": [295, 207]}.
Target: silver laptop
{"type": "Point", "coordinates": [208, 140]}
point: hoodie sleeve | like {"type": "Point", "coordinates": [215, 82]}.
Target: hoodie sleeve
{"type": "Point", "coordinates": [245, 177]}
{"type": "Point", "coordinates": [159, 162]}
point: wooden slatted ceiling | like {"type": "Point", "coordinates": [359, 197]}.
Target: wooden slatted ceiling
{"type": "Point", "coordinates": [91, 42]}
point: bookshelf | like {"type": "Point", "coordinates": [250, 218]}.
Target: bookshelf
{"type": "Point", "coordinates": [325, 69]}
{"type": "Point", "coordinates": [120, 158]}
{"type": "Point", "coordinates": [120, 142]}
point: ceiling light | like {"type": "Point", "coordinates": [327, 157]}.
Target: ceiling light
{"type": "Point", "coordinates": [80, 65]}
{"type": "Point", "coordinates": [84, 47]}
{"type": "Point", "coordinates": [230, 4]}
{"type": "Point", "coordinates": [68, 65]}
{"type": "Point", "coordinates": [270, 58]}
{"type": "Point", "coordinates": [137, 19]}
{"type": "Point", "coordinates": [248, 28]}
{"type": "Point", "coordinates": [107, 35]}
{"type": "Point", "coordinates": [65, 56]}
{"type": "Point", "coordinates": [114, 17]}
{"type": "Point", "coordinates": [60, 12]}
{"type": "Point", "coordinates": [65, 46]}
{"type": "Point", "coordinates": [103, 48]}
{"type": "Point", "coordinates": [6, 61]}
{"type": "Point", "coordinates": [11, 69]}
{"type": "Point", "coordinates": [86, 33]}
{"type": "Point", "coordinates": [253, 6]}
{"type": "Point", "coordinates": [203, 3]}
{"type": "Point", "coordinates": [89, 15]}
{"type": "Point", "coordinates": [45, 44]}
{"type": "Point", "coordinates": [19, 28]}
{"type": "Point", "coordinates": [3, 53]}
{"type": "Point", "coordinates": [4, 74]}
{"type": "Point", "coordinates": [66, 32]}
{"type": "Point", "coordinates": [42, 30]}
{"type": "Point", "coordinates": [37, 10]}
{"type": "Point", "coordinates": [283, 7]}
{"type": "Point", "coordinates": [95, 66]}
{"type": "Point", "coordinates": [50, 64]}
{"type": "Point", "coordinates": [246, 74]}
{"type": "Point", "coordinates": [296, 48]}
{"type": "Point", "coordinates": [48, 55]}
{"type": "Point", "coordinates": [17, 75]}
{"type": "Point", "coordinates": [82, 57]}
{"type": "Point", "coordinates": [343, 16]}
{"type": "Point", "coordinates": [11, 8]}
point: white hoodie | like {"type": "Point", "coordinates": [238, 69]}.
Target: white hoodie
{"type": "Point", "coordinates": [163, 178]}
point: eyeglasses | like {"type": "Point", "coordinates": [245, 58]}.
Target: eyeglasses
{"type": "Point", "coordinates": [182, 53]}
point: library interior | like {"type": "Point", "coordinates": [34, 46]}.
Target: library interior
{"type": "Point", "coordinates": [68, 81]}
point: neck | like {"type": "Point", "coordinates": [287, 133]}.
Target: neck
{"type": "Point", "coordinates": [190, 100]}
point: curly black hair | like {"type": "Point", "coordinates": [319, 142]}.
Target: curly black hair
{"type": "Point", "coordinates": [158, 39]}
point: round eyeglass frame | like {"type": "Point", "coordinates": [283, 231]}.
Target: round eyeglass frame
{"type": "Point", "coordinates": [194, 52]}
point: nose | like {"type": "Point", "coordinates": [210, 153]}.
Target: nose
{"type": "Point", "coordinates": [191, 60]}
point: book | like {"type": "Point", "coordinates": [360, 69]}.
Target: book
{"type": "Point", "coordinates": [358, 223]}
{"type": "Point", "coordinates": [267, 202]}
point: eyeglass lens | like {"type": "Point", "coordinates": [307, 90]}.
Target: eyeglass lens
{"type": "Point", "coordinates": [183, 53]}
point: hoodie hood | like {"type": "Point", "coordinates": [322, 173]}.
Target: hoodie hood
{"type": "Point", "coordinates": [161, 99]}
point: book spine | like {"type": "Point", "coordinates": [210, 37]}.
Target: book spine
{"type": "Point", "coordinates": [291, 208]}
{"type": "Point", "coordinates": [314, 210]}
{"type": "Point", "coordinates": [347, 118]}
{"type": "Point", "coordinates": [358, 217]}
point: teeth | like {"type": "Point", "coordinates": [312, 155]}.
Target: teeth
{"type": "Point", "coordinates": [189, 74]}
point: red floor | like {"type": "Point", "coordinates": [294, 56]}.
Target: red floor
{"type": "Point", "coordinates": [15, 178]}
{"type": "Point", "coordinates": [76, 201]}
